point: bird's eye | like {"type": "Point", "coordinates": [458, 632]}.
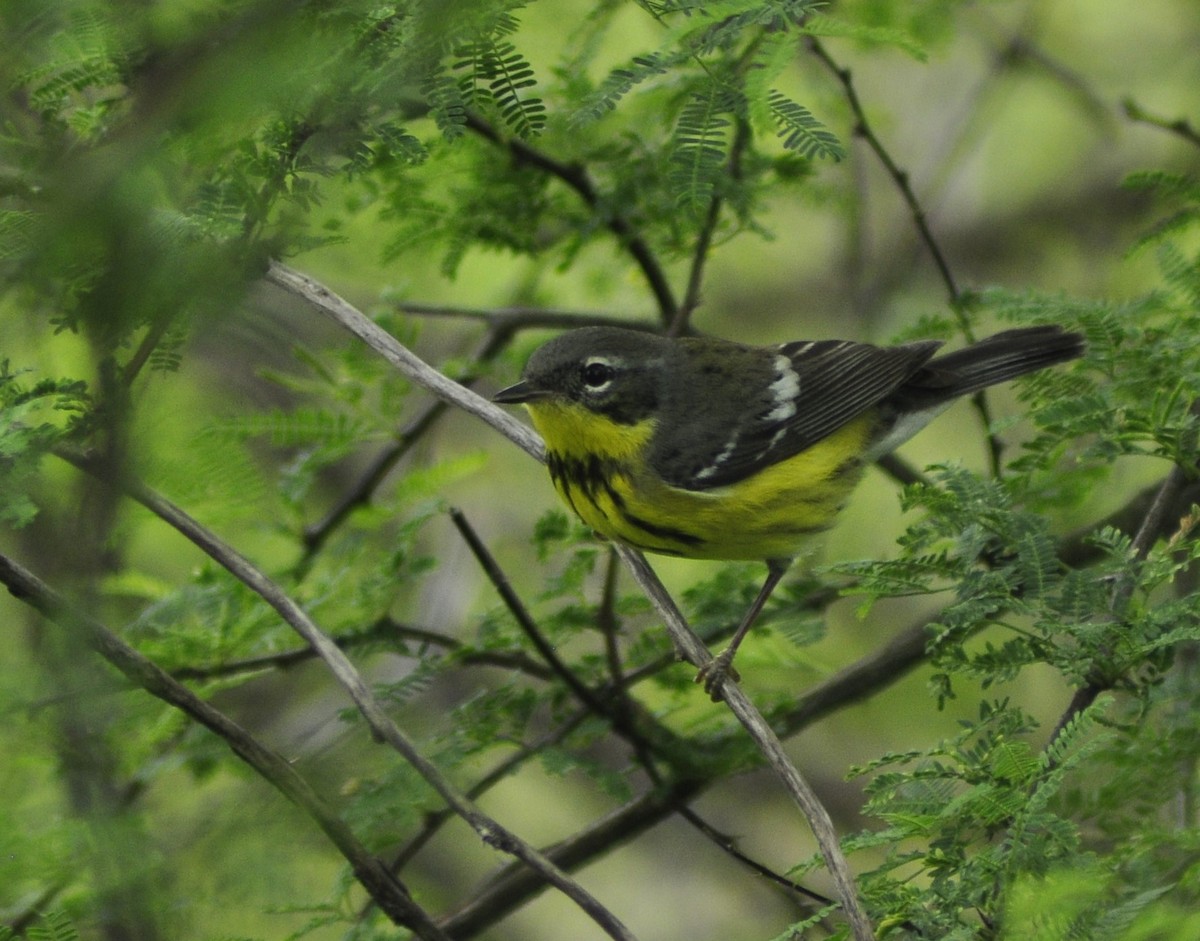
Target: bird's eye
{"type": "Point", "coordinates": [597, 374]}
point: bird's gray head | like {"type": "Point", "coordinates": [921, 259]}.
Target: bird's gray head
{"type": "Point", "coordinates": [608, 370]}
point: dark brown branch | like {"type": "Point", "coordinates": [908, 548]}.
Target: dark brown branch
{"type": "Point", "coordinates": [513, 886]}
{"type": "Point", "coordinates": [520, 613]}
{"type": "Point", "coordinates": [383, 630]}
{"type": "Point", "coordinates": [1078, 549]}
{"type": "Point", "coordinates": [729, 845]}
{"type": "Point", "coordinates": [899, 176]}
{"type": "Point", "coordinates": [1156, 519]}
{"type": "Point", "coordinates": [863, 129]}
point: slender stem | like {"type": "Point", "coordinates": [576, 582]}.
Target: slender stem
{"type": "Point", "coordinates": [900, 177]}
{"type": "Point", "coordinates": [385, 629]}
{"type": "Point", "coordinates": [524, 619]}
{"type": "Point", "coordinates": [1179, 127]}
{"type": "Point", "coordinates": [863, 129]}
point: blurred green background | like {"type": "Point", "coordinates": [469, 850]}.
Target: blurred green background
{"type": "Point", "coordinates": [1016, 134]}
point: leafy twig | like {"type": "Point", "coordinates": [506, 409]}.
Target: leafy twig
{"type": "Point", "coordinates": [691, 299]}
{"type": "Point", "coordinates": [1152, 525]}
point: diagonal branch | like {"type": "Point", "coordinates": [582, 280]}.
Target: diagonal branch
{"type": "Point", "coordinates": [1179, 126]}
{"type": "Point", "coordinates": [380, 723]}
{"type": "Point", "coordinates": [766, 741]}
{"type": "Point", "coordinates": [384, 888]}
{"type": "Point", "coordinates": [414, 368]}
{"type": "Point", "coordinates": [863, 129]}
{"type": "Point", "coordinates": [956, 297]}
{"type": "Point", "coordinates": [383, 462]}
{"type": "Point", "coordinates": [1150, 530]}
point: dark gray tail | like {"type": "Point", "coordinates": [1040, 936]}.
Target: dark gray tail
{"type": "Point", "coordinates": [999, 358]}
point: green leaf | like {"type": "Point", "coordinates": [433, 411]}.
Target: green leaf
{"type": "Point", "coordinates": [801, 131]}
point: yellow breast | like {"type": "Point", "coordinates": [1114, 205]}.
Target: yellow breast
{"type": "Point", "coordinates": [599, 469]}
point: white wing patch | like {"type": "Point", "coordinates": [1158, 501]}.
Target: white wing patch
{"type": "Point", "coordinates": [721, 458]}
{"type": "Point", "coordinates": [784, 390]}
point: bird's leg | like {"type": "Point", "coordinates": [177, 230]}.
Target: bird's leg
{"type": "Point", "coordinates": [713, 673]}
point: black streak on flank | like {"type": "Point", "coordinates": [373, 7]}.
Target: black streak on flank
{"type": "Point", "coordinates": [593, 475]}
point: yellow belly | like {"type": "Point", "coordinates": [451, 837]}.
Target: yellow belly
{"type": "Point", "coordinates": [765, 516]}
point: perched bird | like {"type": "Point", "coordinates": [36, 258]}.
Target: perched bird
{"type": "Point", "coordinates": [709, 449]}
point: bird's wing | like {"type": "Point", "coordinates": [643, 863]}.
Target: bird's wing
{"type": "Point", "coordinates": [755, 417]}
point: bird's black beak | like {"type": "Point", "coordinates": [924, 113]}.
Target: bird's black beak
{"type": "Point", "coordinates": [516, 393]}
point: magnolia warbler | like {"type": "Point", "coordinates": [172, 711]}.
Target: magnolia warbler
{"type": "Point", "coordinates": [709, 449]}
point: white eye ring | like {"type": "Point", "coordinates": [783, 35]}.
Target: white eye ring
{"type": "Point", "coordinates": [597, 374]}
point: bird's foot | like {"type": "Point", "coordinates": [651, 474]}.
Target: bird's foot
{"type": "Point", "coordinates": [714, 673]}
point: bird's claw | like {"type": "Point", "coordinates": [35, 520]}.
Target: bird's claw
{"type": "Point", "coordinates": [714, 673]}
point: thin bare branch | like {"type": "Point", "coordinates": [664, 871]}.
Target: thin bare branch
{"type": "Point", "coordinates": [899, 176]}
{"type": "Point", "coordinates": [766, 741]}
{"type": "Point", "coordinates": [384, 630]}
{"type": "Point", "coordinates": [515, 319]}
{"type": "Point", "coordinates": [520, 613]}
{"type": "Point", "coordinates": [1179, 126]}
{"type": "Point", "coordinates": [415, 369]}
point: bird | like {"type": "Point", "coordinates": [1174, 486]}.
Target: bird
{"type": "Point", "coordinates": [705, 448]}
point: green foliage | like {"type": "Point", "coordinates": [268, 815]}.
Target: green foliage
{"type": "Point", "coordinates": [53, 926]}
{"type": "Point", "coordinates": [33, 420]}
{"type": "Point", "coordinates": [511, 157]}
{"type": "Point", "coordinates": [802, 132]}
